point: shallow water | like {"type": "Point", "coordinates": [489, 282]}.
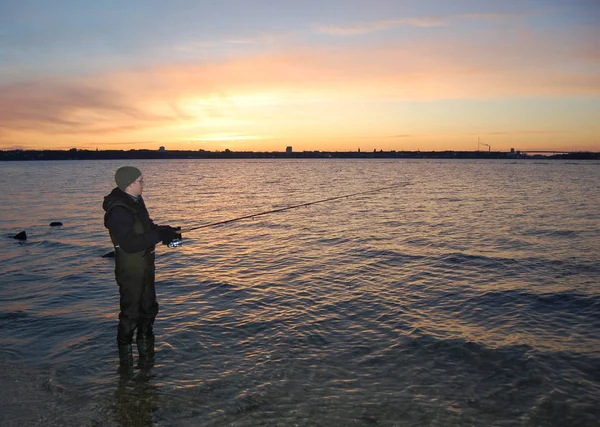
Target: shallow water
{"type": "Point", "coordinates": [468, 297]}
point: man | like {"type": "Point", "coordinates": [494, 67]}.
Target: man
{"type": "Point", "coordinates": [134, 236]}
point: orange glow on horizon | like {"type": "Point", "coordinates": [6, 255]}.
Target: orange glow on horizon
{"type": "Point", "coordinates": [396, 96]}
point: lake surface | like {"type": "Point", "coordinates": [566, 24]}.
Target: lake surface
{"type": "Point", "coordinates": [469, 297]}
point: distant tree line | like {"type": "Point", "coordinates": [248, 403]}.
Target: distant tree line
{"type": "Point", "coordinates": [75, 154]}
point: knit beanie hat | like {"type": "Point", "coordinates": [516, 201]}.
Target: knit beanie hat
{"type": "Point", "coordinates": [126, 175]}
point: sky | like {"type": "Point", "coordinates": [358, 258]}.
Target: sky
{"type": "Point", "coordinates": [327, 75]}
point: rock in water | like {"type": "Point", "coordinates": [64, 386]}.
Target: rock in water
{"type": "Point", "coordinates": [20, 236]}
{"type": "Point", "coordinates": [110, 254]}
{"type": "Point", "coordinates": [55, 224]}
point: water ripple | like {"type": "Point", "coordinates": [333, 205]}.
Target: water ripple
{"type": "Point", "coordinates": [453, 301]}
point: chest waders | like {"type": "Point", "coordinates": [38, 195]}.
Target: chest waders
{"type": "Point", "coordinates": [134, 273]}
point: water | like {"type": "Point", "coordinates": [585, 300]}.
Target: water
{"type": "Point", "coordinates": [469, 297]}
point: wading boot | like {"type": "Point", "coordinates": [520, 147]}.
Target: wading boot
{"type": "Point", "coordinates": [125, 355]}
{"type": "Point", "coordinates": [145, 345]}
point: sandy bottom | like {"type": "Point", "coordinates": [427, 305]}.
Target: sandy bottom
{"type": "Point", "coordinates": [29, 397]}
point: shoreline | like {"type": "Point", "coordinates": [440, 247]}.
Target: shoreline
{"type": "Point", "coordinates": [77, 154]}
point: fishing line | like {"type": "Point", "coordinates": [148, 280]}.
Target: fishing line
{"type": "Point", "coordinates": [198, 227]}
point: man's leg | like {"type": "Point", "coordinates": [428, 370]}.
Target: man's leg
{"type": "Point", "coordinates": [131, 293]}
{"type": "Point", "coordinates": [148, 312]}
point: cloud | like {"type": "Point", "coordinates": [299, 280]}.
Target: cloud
{"type": "Point", "coordinates": [71, 107]}
{"type": "Point", "coordinates": [264, 93]}
{"type": "Point", "coordinates": [262, 39]}
{"type": "Point", "coordinates": [370, 27]}
{"type": "Point", "coordinates": [425, 22]}
{"type": "Point", "coordinates": [399, 69]}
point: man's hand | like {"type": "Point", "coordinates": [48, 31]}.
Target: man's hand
{"type": "Point", "coordinates": [168, 234]}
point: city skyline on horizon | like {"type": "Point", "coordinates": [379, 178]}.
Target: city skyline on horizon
{"type": "Point", "coordinates": [289, 149]}
{"type": "Point", "coordinates": [318, 76]}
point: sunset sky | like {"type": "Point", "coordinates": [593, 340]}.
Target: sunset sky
{"type": "Point", "coordinates": [329, 75]}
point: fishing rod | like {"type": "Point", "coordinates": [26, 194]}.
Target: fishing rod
{"type": "Point", "coordinates": [178, 242]}
{"type": "Point", "coordinates": [198, 227]}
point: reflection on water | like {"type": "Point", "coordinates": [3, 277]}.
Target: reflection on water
{"type": "Point", "coordinates": [136, 398]}
{"type": "Point", "coordinates": [468, 297]}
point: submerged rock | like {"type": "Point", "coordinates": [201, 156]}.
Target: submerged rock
{"type": "Point", "coordinates": [20, 236]}
{"type": "Point", "coordinates": [55, 224]}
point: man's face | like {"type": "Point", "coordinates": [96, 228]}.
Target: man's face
{"type": "Point", "coordinates": [136, 187]}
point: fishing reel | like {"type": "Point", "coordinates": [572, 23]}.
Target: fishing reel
{"type": "Point", "coordinates": [175, 243]}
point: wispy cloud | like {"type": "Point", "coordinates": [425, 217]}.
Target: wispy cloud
{"type": "Point", "coordinates": [425, 22]}
{"type": "Point", "coordinates": [522, 132]}
{"type": "Point", "coordinates": [486, 16]}
{"type": "Point", "coordinates": [370, 27]}
{"type": "Point", "coordinates": [267, 93]}
{"type": "Point", "coordinates": [226, 92]}
{"type": "Point", "coordinates": [75, 107]}
{"type": "Point", "coordinates": [263, 39]}
{"type": "Point", "coordinates": [193, 46]}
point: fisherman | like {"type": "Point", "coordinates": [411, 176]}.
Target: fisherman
{"type": "Point", "coordinates": [134, 236]}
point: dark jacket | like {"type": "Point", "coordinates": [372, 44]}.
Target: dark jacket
{"type": "Point", "coordinates": [133, 234]}
{"type": "Point", "coordinates": [128, 222]}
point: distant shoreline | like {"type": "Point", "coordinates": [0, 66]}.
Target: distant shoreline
{"type": "Point", "coordinates": [75, 154]}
